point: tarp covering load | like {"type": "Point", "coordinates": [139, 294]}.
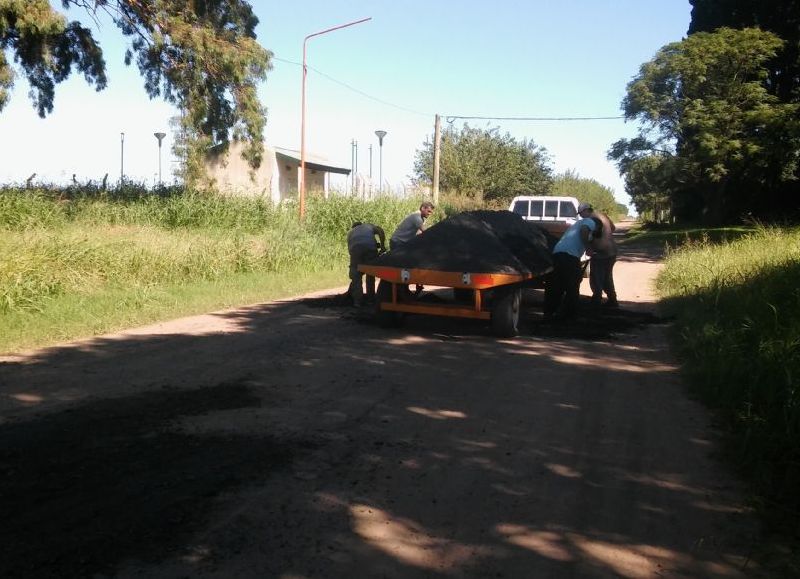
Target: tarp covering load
{"type": "Point", "coordinates": [478, 242]}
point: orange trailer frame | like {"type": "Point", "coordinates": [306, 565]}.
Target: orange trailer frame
{"type": "Point", "coordinates": [478, 282]}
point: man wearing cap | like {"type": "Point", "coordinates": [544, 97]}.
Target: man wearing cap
{"type": "Point", "coordinates": [563, 286]}
{"type": "Point", "coordinates": [603, 251]}
{"type": "Point", "coordinates": [363, 248]}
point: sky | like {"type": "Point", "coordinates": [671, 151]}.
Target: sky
{"type": "Point", "coordinates": [414, 59]}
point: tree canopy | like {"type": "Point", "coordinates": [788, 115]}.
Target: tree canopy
{"type": "Point", "coordinates": [711, 134]}
{"type": "Point", "coordinates": [485, 164]}
{"type": "Point", "coordinates": [201, 56]}
{"type": "Point", "coordinates": [570, 184]}
{"type": "Point", "coordinates": [781, 17]}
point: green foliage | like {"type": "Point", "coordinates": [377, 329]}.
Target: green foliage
{"type": "Point", "coordinates": [737, 305]}
{"type": "Point", "coordinates": [200, 56]}
{"type": "Point", "coordinates": [707, 122]}
{"type": "Point", "coordinates": [780, 17]}
{"type": "Point", "coordinates": [570, 184]}
{"type": "Point", "coordinates": [484, 164]}
{"type": "Point", "coordinates": [60, 243]}
{"type": "Point", "coordinates": [46, 47]}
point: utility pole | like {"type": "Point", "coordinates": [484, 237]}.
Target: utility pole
{"type": "Point", "coordinates": [370, 170]}
{"type": "Point", "coordinates": [121, 158]}
{"type": "Point", "coordinates": [437, 143]}
{"type": "Point", "coordinates": [352, 165]}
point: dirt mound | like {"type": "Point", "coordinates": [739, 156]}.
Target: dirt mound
{"type": "Point", "coordinates": [478, 242]}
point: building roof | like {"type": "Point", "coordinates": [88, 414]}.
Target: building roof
{"type": "Point", "coordinates": [316, 165]}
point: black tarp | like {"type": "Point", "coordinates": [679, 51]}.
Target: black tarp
{"type": "Point", "coordinates": [477, 242]}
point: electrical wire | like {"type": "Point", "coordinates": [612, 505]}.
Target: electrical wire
{"type": "Point", "coordinates": [361, 92]}
{"type": "Point", "coordinates": [451, 118]}
{"type": "Point", "coordinates": [448, 118]}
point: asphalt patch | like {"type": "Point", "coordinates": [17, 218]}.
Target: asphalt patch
{"type": "Point", "coordinates": [593, 323]}
{"type": "Point", "coordinates": [87, 488]}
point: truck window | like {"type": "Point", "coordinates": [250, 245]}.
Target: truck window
{"type": "Point", "coordinates": [551, 209]}
{"type": "Point", "coordinates": [521, 208]}
{"type": "Point", "coordinates": [567, 209]}
{"type": "Point", "coordinates": [537, 208]}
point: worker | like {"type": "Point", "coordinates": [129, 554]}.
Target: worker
{"type": "Point", "coordinates": [563, 285]}
{"type": "Point", "coordinates": [603, 253]}
{"type": "Point", "coordinates": [412, 225]}
{"type": "Point", "coordinates": [363, 248]}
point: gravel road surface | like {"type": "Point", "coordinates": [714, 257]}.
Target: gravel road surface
{"type": "Point", "coordinates": [297, 439]}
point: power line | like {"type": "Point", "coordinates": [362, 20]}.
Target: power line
{"type": "Point", "coordinates": [361, 92]}
{"type": "Point", "coordinates": [451, 118]}
{"type": "Point", "coordinates": [448, 118]}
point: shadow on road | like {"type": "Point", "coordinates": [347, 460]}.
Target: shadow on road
{"type": "Point", "coordinates": [310, 443]}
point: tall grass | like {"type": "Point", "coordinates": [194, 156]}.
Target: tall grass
{"type": "Point", "coordinates": [62, 245]}
{"type": "Point", "coordinates": [738, 308]}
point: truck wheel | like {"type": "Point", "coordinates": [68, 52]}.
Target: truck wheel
{"type": "Point", "coordinates": [386, 319]}
{"type": "Point", "coordinates": [505, 312]}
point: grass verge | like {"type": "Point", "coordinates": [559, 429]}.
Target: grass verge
{"type": "Point", "coordinates": [74, 316]}
{"type": "Point", "coordinates": [77, 262]}
{"type": "Point", "coordinates": [737, 305]}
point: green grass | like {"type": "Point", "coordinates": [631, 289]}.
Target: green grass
{"type": "Point", "coordinates": [671, 236]}
{"type": "Point", "coordinates": [77, 262]}
{"type": "Point", "coordinates": [738, 319]}
{"type": "Point", "coordinates": [74, 316]}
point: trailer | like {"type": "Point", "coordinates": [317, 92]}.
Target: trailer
{"type": "Point", "coordinates": [495, 297]}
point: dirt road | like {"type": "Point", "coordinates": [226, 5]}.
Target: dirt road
{"type": "Point", "coordinates": [298, 440]}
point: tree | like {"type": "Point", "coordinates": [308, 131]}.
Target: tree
{"type": "Point", "coordinates": [704, 101]}
{"type": "Point", "coordinates": [781, 17]}
{"type": "Point", "coordinates": [484, 164]}
{"type": "Point", "coordinates": [570, 184]}
{"type": "Point", "coordinates": [201, 56]}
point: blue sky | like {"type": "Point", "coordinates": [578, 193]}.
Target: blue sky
{"type": "Point", "coordinates": [414, 59]}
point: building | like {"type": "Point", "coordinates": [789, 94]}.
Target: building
{"type": "Point", "coordinates": [278, 177]}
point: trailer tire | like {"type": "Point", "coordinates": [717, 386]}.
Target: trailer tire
{"type": "Point", "coordinates": [505, 311]}
{"type": "Point", "coordinates": [386, 319]}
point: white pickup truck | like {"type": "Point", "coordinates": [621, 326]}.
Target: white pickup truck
{"type": "Point", "coordinates": [553, 214]}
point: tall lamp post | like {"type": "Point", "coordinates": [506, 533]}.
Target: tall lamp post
{"type": "Point", "coordinates": [121, 158]}
{"type": "Point", "coordinates": [380, 135]}
{"type": "Point", "coordinates": [159, 136]}
{"type": "Point", "coordinates": [303, 114]}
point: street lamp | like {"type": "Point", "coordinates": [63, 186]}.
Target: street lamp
{"type": "Point", "coordinates": [121, 158]}
{"type": "Point", "coordinates": [303, 114]}
{"type": "Point", "coordinates": [380, 135]}
{"type": "Point", "coordinates": [159, 136]}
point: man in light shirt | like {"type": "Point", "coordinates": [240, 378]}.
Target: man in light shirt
{"type": "Point", "coordinates": [563, 286]}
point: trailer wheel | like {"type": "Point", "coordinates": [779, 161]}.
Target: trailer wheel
{"type": "Point", "coordinates": [386, 319]}
{"type": "Point", "coordinates": [505, 311]}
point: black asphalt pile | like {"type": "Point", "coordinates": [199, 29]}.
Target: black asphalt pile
{"type": "Point", "coordinates": [476, 242]}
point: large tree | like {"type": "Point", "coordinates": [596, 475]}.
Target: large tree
{"type": "Point", "coordinates": [200, 55]}
{"type": "Point", "coordinates": [704, 102]}
{"type": "Point", "coordinates": [485, 164]}
{"type": "Point", "coordinates": [781, 17]}
{"type": "Point", "coordinates": [571, 184]}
